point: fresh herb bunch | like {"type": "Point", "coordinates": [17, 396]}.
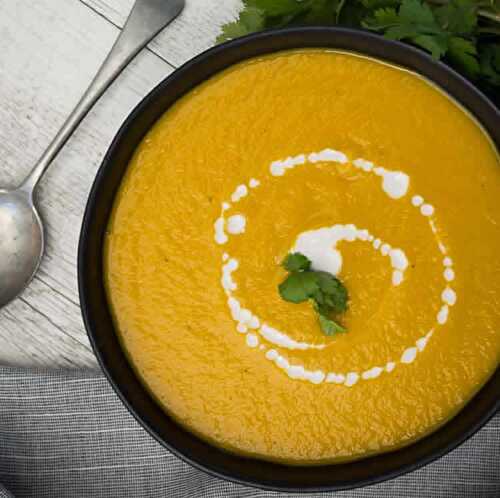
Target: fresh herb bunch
{"type": "Point", "coordinates": [327, 292]}
{"type": "Point", "coordinates": [464, 33]}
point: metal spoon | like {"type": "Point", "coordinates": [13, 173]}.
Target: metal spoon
{"type": "Point", "coordinates": [21, 228]}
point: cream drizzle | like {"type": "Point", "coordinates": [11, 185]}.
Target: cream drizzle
{"type": "Point", "coordinates": [320, 246]}
{"type": "Point", "coordinates": [395, 184]}
{"type": "Point", "coordinates": [236, 224]}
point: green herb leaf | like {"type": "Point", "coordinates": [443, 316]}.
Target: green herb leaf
{"type": "Point", "coordinates": [415, 21]}
{"type": "Point", "coordinates": [379, 4]}
{"type": "Point", "coordinates": [299, 286]}
{"type": "Point", "coordinates": [464, 55]}
{"type": "Point", "coordinates": [383, 18]}
{"type": "Point", "coordinates": [249, 21]}
{"type": "Point", "coordinates": [327, 292]}
{"type": "Point", "coordinates": [296, 262]}
{"type": "Point", "coordinates": [323, 12]}
{"type": "Point", "coordinates": [276, 8]}
{"type": "Point", "coordinates": [353, 14]}
{"type": "Point", "coordinates": [416, 13]}
{"type": "Point", "coordinates": [437, 45]}
{"type": "Point", "coordinates": [465, 33]}
{"type": "Point", "coordinates": [334, 293]}
{"type": "Point", "coordinates": [458, 16]}
{"type": "Point", "coordinates": [330, 327]}
{"type": "Point", "coordinates": [490, 63]}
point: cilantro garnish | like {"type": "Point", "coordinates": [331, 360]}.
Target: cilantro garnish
{"type": "Point", "coordinates": [328, 294]}
{"type": "Point", "coordinates": [296, 261]}
{"type": "Point", "coordinates": [464, 33]}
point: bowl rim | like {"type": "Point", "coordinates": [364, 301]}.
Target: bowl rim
{"type": "Point", "coordinates": [452, 83]}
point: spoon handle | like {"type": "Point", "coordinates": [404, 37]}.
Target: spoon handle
{"type": "Point", "coordinates": [147, 18]}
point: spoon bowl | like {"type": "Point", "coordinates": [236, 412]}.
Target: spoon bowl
{"type": "Point", "coordinates": [21, 242]}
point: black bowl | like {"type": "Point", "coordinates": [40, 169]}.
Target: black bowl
{"type": "Point", "coordinates": [95, 307]}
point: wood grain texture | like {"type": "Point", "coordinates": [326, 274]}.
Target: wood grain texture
{"type": "Point", "coordinates": [50, 49]}
{"type": "Point", "coordinates": [192, 32]}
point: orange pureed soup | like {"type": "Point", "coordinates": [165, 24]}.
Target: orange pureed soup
{"type": "Point", "coordinates": [376, 176]}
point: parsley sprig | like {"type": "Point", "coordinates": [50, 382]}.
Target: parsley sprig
{"type": "Point", "coordinates": [328, 294]}
{"type": "Point", "coordinates": [464, 33]}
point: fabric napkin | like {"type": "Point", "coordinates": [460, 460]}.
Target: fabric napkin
{"type": "Point", "coordinates": [66, 434]}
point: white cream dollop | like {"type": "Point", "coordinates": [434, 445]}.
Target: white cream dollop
{"type": "Point", "coordinates": [220, 234]}
{"type": "Point", "coordinates": [236, 224]}
{"type": "Point", "coordinates": [278, 338]}
{"type": "Point", "coordinates": [417, 200]}
{"type": "Point", "coordinates": [427, 209]}
{"type": "Point", "coordinates": [449, 296]}
{"type": "Point", "coordinates": [319, 246]}
{"type": "Point", "coordinates": [252, 340]}
{"type": "Point", "coordinates": [449, 275]}
{"type": "Point", "coordinates": [327, 155]}
{"type": "Point", "coordinates": [394, 183]}
{"type": "Point", "coordinates": [409, 355]}
{"type": "Point", "coordinates": [278, 168]}
{"type": "Point", "coordinates": [240, 192]}
{"type": "Point", "coordinates": [363, 164]}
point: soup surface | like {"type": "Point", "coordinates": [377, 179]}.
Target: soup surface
{"type": "Point", "coordinates": [390, 181]}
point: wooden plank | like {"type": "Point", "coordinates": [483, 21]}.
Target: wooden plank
{"type": "Point", "coordinates": [192, 32]}
{"type": "Point", "coordinates": [50, 50]}
{"type": "Point", "coordinates": [42, 328]}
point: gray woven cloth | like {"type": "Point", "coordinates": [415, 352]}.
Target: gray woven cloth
{"type": "Point", "coordinates": [66, 434]}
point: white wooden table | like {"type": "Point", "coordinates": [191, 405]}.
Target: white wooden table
{"type": "Point", "coordinates": [49, 51]}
